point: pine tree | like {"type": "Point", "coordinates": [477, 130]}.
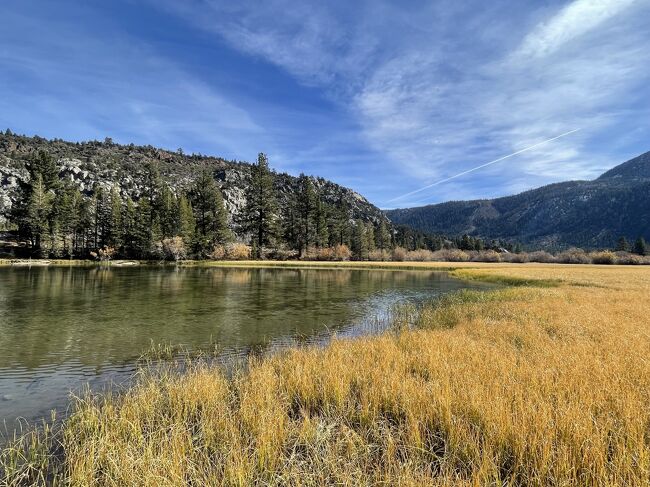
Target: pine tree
{"type": "Point", "coordinates": [340, 228]}
{"type": "Point", "coordinates": [187, 223]}
{"type": "Point", "coordinates": [143, 241]}
{"type": "Point", "coordinates": [306, 209]}
{"type": "Point", "coordinates": [359, 241]}
{"type": "Point", "coordinates": [167, 209]}
{"type": "Point", "coordinates": [383, 235]}
{"type": "Point", "coordinates": [369, 236]}
{"type": "Point", "coordinates": [259, 215]}
{"type": "Point", "coordinates": [84, 229]}
{"type": "Point", "coordinates": [220, 230]}
{"type": "Point", "coordinates": [39, 208]}
{"type": "Point", "coordinates": [115, 226]}
{"type": "Point", "coordinates": [68, 216]}
{"type": "Point", "coordinates": [129, 234]}
{"type": "Point", "coordinates": [290, 223]}
{"type": "Point", "coordinates": [465, 243]}
{"type": "Point", "coordinates": [622, 245]}
{"type": "Point", "coordinates": [321, 217]}
{"type": "Point", "coordinates": [152, 181]}
{"type": "Point", "coordinates": [43, 163]}
{"type": "Point", "coordinates": [210, 211]}
{"type": "Point", "coordinates": [640, 246]}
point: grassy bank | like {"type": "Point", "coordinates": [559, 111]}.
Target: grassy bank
{"type": "Point", "coordinates": [543, 383]}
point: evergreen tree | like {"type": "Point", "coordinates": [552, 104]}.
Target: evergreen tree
{"type": "Point", "coordinates": [68, 216]}
{"type": "Point", "coordinates": [465, 243]}
{"type": "Point", "coordinates": [143, 235]}
{"type": "Point", "coordinates": [129, 233]}
{"type": "Point", "coordinates": [115, 226]}
{"type": "Point", "coordinates": [259, 215]}
{"type": "Point", "coordinates": [211, 217]}
{"type": "Point", "coordinates": [369, 236]}
{"type": "Point", "coordinates": [640, 246]}
{"type": "Point", "coordinates": [290, 224]}
{"type": "Point", "coordinates": [152, 181]}
{"type": "Point", "coordinates": [321, 216]}
{"type": "Point", "coordinates": [39, 208]}
{"type": "Point", "coordinates": [339, 225]}
{"type": "Point", "coordinates": [383, 235]}
{"type": "Point", "coordinates": [622, 245]}
{"type": "Point", "coordinates": [359, 241]}
{"type": "Point", "coordinates": [220, 230]}
{"type": "Point", "coordinates": [187, 223]}
{"type": "Point", "coordinates": [306, 209]}
{"type": "Point", "coordinates": [43, 163]}
{"type": "Point", "coordinates": [167, 209]}
{"type": "Point", "coordinates": [83, 232]}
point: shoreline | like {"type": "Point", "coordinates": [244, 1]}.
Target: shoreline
{"type": "Point", "coordinates": [513, 385]}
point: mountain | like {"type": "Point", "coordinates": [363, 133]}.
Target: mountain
{"type": "Point", "coordinates": [588, 214]}
{"type": "Point", "coordinates": [87, 164]}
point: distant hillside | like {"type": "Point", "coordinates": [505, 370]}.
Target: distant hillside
{"type": "Point", "coordinates": [92, 163]}
{"type": "Point", "coordinates": [575, 213]}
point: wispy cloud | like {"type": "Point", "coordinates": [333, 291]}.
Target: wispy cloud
{"type": "Point", "coordinates": [118, 87]}
{"type": "Point", "coordinates": [437, 89]}
{"type": "Point", "coordinates": [395, 96]}
{"type": "Point", "coordinates": [572, 21]}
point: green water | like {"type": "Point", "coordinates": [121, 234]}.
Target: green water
{"type": "Point", "coordinates": [62, 328]}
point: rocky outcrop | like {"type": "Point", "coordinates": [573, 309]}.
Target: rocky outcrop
{"type": "Point", "coordinates": [91, 164]}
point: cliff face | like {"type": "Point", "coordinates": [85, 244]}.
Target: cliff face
{"type": "Point", "coordinates": [574, 213]}
{"type": "Point", "coordinates": [87, 164]}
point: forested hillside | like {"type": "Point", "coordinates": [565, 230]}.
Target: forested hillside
{"type": "Point", "coordinates": [590, 214]}
{"type": "Point", "coordinates": [65, 199]}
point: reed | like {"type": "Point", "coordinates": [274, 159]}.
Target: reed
{"type": "Point", "coordinates": [524, 385]}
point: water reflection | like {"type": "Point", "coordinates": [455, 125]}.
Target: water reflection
{"type": "Point", "coordinates": [61, 328]}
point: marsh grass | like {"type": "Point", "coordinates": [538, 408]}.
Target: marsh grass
{"type": "Point", "coordinates": [517, 386]}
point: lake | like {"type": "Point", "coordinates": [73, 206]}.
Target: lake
{"type": "Point", "coordinates": [62, 328]}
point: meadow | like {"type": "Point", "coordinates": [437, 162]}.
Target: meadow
{"type": "Point", "coordinates": [545, 381]}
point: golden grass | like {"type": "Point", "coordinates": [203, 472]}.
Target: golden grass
{"type": "Point", "coordinates": [525, 385]}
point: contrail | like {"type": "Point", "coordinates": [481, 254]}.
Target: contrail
{"type": "Point", "coordinates": [482, 165]}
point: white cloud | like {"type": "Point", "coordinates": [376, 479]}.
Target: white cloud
{"type": "Point", "coordinates": [119, 88]}
{"type": "Point", "coordinates": [574, 20]}
{"type": "Point", "coordinates": [440, 88]}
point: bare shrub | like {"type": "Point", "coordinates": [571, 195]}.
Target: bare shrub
{"type": "Point", "coordinates": [281, 254]}
{"type": "Point", "coordinates": [341, 252]}
{"type": "Point", "coordinates": [486, 256]}
{"type": "Point", "coordinates": [379, 255]}
{"type": "Point", "coordinates": [231, 251]}
{"type": "Point", "coordinates": [573, 256]}
{"type": "Point", "coordinates": [605, 257]}
{"type": "Point", "coordinates": [218, 253]}
{"type": "Point", "coordinates": [515, 258]}
{"type": "Point", "coordinates": [625, 258]}
{"type": "Point", "coordinates": [541, 256]}
{"type": "Point", "coordinates": [174, 248]}
{"type": "Point", "coordinates": [450, 255]}
{"type": "Point", "coordinates": [399, 254]}
{"type": "Point", "coordinates": [238, 251]}
{"type": "Point", "coordinates": [105, 253]}
{"type": "Point", "coordinates": [420, 255]}
{"type": "Point", "coordinates": [336, 253]}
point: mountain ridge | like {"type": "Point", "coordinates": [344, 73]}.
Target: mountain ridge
{"type": "Point", "coordinates": [590, 214]}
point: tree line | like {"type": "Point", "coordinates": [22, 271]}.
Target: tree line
{"type": "Point", "coordinates": [58, 220]}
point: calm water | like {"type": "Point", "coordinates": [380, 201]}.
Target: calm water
{"type": "Point", "coordinates": [63, 328]}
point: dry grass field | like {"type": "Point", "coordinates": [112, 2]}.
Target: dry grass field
{"type": "Point", "coordinates": [544, 382]}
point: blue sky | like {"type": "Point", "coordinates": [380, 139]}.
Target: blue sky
{"type": "Point", "coordinates": [384, 97]}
